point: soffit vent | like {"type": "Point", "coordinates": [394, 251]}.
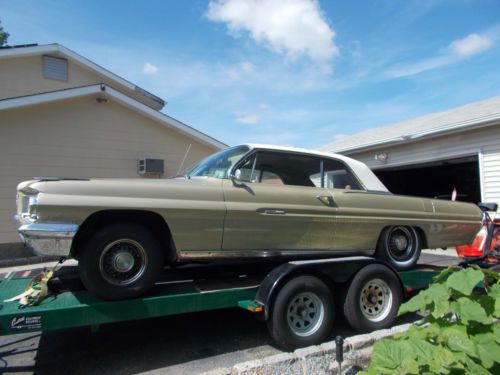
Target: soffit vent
{"type": "Point", "coordinates": [55, 68]}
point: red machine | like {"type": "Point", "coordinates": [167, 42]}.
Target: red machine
{"type": "Point", "coordinates": [478, 246]}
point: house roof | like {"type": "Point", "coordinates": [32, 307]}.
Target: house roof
{"type": "Point", "coordinates": [479, 114]}
{"type": "Point", "coordinates": [118, 97]}
{"type": "Point", "coordinates": [57, 49]}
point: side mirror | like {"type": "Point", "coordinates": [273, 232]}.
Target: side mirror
{"type": "Point", "coordinates": [236, 175]}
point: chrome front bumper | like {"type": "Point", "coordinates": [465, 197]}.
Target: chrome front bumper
{"type": "Point", "coordinates": [48, 239]}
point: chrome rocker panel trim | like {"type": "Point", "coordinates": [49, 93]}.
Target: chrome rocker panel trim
{"type": "Point", "coordinates": [48, 239]}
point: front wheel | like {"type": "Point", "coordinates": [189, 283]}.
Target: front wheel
{"type": "Point", "coordinates": [302, 313]}
{"type": "Point", "coordinates": [372, 298]}
{"type": "Point", "coordinates": [400, 246]}
{"type": "Point", "coordinates": [120, 261]}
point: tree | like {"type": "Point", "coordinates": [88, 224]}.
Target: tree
{"type": "Point", "coordinates": [4, 35]}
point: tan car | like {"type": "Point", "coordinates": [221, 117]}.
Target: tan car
{"type": "Point", "coordinates": [245, 202]}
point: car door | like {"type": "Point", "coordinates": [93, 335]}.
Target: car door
{"type": "Point", "coordinates": [278, 206]}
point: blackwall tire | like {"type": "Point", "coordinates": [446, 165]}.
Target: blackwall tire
{"type": "Point", "coordinates": [372, 298]}
{"type": "Point", "coordinates": [120, 261]}
{"type": "Point", "coordinates": [400, 246]}
{"type": "Point", "coordinates": [302, 313]}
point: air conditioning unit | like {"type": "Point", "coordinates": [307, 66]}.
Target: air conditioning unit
{"type": "Point", "coordinates": [150, 166]}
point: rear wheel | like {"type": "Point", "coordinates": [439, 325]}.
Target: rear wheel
{"type": "Point", "coordinates": [302, 313]}
{"type": "Point", "coordinates": [400, 246]}
{"type": "Point", "coordinates": [372, 298]}
{"type": "Point", "coordinates": [120, 261]}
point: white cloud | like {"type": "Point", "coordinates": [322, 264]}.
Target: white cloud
{"type": "Point", "coordinates": [457, 50]}
{"type": "Point", "coordinates": [149, 68]}
{"type": "Point", "coordinates": [292, 27]}
{"type": "Point", "coordinates": [249, 119]}
{"type": "Point", "coordinates": [471, 45]}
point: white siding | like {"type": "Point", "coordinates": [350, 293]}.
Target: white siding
{"type": "Point", "coordinates": [491, 172]}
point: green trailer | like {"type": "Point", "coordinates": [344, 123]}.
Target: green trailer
{"type": "Point", "coordinates": [291, 297]}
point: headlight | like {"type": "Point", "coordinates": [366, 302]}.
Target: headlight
{"type": "Point", "coordinates": [32, 207]}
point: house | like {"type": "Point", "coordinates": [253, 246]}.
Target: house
{"type": "Point", "coordinates": [436, 154]}
{"type": "Point", "coordinates": [63, 115]}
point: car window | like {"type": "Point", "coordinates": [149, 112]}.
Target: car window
{"type": "Point", "coordinates": [337, 176]}
{"type": "Point", "coordinates": [281, 168]}
{"type": "Point", "coordinates": [218, 165]}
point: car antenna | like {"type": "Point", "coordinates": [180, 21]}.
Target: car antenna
{"type": "Point", "coordinates": [184, 159]}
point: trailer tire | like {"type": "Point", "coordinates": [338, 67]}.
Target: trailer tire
{"type": "Point", "coordinates": [372, 298]}
{"type": "Point", "coordinates": [302, 313]}
{"type": "Point", "coordinates": [120, 261]}
{"type": "Point", "coordinates": [400, 246]}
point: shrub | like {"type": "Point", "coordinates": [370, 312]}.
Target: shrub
{"type": "Point", "coordinates": [459, 334]}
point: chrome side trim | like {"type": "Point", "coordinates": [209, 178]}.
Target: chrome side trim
{"type": "Point", "coordinates": [47, 238]}
{"type": "Point", "coordinates": [235, 254]}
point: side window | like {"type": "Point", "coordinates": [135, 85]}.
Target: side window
{"type": "Point", "coordinates": [271, 178]}
{"type": "Point", "coordinates": [281, 168]}
{"type": "Point", "coordinates": [337, 176]}
{"type": "Point", "coordinates": [248, 172]}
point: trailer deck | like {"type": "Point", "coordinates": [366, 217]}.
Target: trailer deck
{"type": "Point", "coordinates": [77, 308]}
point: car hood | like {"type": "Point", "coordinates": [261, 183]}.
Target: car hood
{"type": "Point", "coordinates": [120, 187]}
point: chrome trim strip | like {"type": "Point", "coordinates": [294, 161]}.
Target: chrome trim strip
{"type": "Point", "coordinates": [235, 254]}
{"type": "Point", "coordinates": [48, 238]}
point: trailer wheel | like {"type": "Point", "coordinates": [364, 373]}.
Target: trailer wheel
{"type": "Point", "coordinates": [120, 261]}
{"type": "Point", "coordinates": [400, 246]}
{"type": "Point", "coordinates": [302, 313]}
{"type": "Point", "coordinates": [372, 298]}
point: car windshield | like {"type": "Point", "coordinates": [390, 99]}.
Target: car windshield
{"type": "Point", "coordinates": [219, 164]}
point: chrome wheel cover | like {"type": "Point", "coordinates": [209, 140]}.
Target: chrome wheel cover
{"type": "Point", "coordinates": [122, 262]}
{"type": "Point", "coordinates": [305, 314]}
{"type": "Point", "coordinates": [400, 244]}
{"type": "Point", "coordinates": [376, 300]}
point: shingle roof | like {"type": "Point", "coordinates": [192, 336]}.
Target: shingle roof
{"type": "Point", "coordinates": [470, 115]}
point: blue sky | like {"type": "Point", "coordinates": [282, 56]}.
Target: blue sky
{"type": "Point", "coordinates": [292, 72]}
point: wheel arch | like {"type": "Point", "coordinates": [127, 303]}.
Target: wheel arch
{"type": "Point", "coordinates": [152, 220]}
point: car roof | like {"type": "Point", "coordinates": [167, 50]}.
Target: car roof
{"type": "Point", "coordinates": [361, 170]}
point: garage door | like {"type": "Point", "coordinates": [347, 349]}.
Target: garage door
{"type": "Point", "coordinates": [436, 180]}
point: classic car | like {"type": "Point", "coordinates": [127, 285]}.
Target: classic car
{"type": "Point", "coordinates": [244, 202]}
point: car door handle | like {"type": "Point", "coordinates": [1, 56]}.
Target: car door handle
{"type": "Point", "coordinates": [272, 211]}
{"type": "Point", "coordinates": [327, 200]}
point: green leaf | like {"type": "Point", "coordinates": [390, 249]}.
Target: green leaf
{"type": "Point", "coordinates": [465, 280]}
{"type": "Point", "coordinates": [456, 339]}
{"type": "Point", "coordinates": [390, 354]}
{"type": "Point", "coordinates": [442, 361]}
{"type": "Point", "coordinates": [496, 332]}
{"type": "Point", "coordinates": [488, 349]}
{"type": "Point", "coordinates": [469, 310]}
{"type": "Point", "coordinates": [425, 351]}
{"type": "Point", "coordinates": [416, 303]}
{"type": "Point", "coordinates": [478, 370]}
{"type": "Point", "coordinates": [443, 275]}
{"type": "Point", "coordinates": [494, 292]}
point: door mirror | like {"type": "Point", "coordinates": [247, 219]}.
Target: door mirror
{"type": "Point", "coordinates": [236, 175]}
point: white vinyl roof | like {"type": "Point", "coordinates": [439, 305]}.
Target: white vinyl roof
{"type": "Point", "coordinates": [365, 175]}
{"type": "Point", "coordinates": [474, 115]}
